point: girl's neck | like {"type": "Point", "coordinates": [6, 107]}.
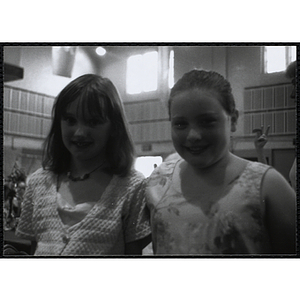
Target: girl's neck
{"type": "Point", "coordinates": [86, 166]}
{"type": "Point", "coordinates": [214, 168]}
{"type": "Point", "coordinates": [222, 172]}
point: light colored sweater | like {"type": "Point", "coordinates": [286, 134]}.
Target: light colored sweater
{"type": "Point", "coordinates": [120, 216]}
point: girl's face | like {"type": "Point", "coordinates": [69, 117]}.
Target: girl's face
{"type": "Point", "coordinates": [200, 127]}
{"type": "Point", "coordinates": [85, 138]}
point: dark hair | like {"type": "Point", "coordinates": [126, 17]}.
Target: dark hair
{"type": "Point", "coordinates": [291, 70]}
{"type": "Point", "coordinates": [101, 99]}
{"type": "Point", "coordinates": [209, 80]}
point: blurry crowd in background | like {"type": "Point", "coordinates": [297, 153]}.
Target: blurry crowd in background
{"type": "Point", "coordinates": [14, 188]}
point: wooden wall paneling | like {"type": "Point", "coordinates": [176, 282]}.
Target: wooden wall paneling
{"type": "Point", "coordinates": [247, 100]}
{"type": "Point", "coordinates": [31, 124]}
{"type": "Point", "coordinates": [32, 102]}
{"type": "Point", "coordinates": [6, 120]}
{"type": "Point", "coordinates": [23, 101]}
{"type": "Point", "coordinates": [147, 110]}
{"type": "Point", "coordinates": [14, 103]}
{"type": "Point", "coordinates": [23, 128]}
{"type": "Point", "coordinates": [290, 121]}
{"type": "Point", "coordinates": [7, 97]}
{"type": "Point", "coordinates": [257, 121]}
{"type": "Point", "coordinates": [268, 98]}
{"type": "Point", "coordinates": [48, 104]}
{"type": "Point", "coordinates": [279, 122]}
{"type": "Point", "coordinates": [257, 99]}
{"type": "Point", "coordinates": [268, 121]}
{"type": "Point", "coordinates": [40, 103]}
{"type": "Point", "coordinates": [248, 124]}
{"type": "Point", "coordinates": [13, 124]}
{"type": "Point", "coordinates": [279, 96]}
{"type": "Point", "coordinates": [39, 122]}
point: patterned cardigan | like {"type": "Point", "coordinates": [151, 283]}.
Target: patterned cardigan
{"type": "Point", "coordinates": [120, 216]}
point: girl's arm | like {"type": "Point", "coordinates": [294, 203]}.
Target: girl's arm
{"type": "Point", "coordinates": [137, 221]}
{"type": "Point", "coordinates": [280, 201]}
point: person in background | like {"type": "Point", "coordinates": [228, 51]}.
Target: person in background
{"type": "Point", "coordinates": [261, 139]}
{"type": "Point", "coordinates": [291, 74]}
{"type": "Point", "coordinates": [210, 201]}
{"type": "Point", "coordinates": [87, 200]}
{"type": "Point", "coordinates": [17, 201]}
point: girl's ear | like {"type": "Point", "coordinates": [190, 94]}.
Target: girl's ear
{"type": "Point", "coordinates": [234, 119]}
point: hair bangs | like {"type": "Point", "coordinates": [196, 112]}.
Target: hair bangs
{"type": "Point", "coordinates": [93, 105]}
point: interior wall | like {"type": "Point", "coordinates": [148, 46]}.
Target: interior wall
{"type": "Point", "coordinates": [114, 68]}
{"type": "Point", "coordinates": [241, 65]}
{"type": "Point", "coordinates": [245, 69]}
{"type": "Point", "coordinates": [37, 64]}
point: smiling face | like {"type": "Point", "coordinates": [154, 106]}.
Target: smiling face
{"type": "Point", "coordinates": [85, 136]}
{"type": "Point", "coordinates": [200, 127]}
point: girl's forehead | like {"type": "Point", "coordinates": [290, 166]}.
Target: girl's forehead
{"type": "Point", "coordinates": [194, 102]}
{"type": "Point", "coordinates": [82, 106]}
{"type": "Point", "coordinates": [198, 92]}
{"type": "Point", "coordinates": [197, 97]}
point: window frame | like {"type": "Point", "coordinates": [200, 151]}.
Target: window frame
{"type": "Point", "coordinates": [288, 58]}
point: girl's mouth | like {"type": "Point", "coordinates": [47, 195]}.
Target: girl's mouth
{"type": "Point", "coordinates": [81, 144]}
{"type": "Point", "coordinates": [196, 149]}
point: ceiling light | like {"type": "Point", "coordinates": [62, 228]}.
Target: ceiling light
{"type": "Point", "coordinates": [100, 51]}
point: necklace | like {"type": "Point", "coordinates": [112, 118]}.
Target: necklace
{"type": "Point", "coordinates": [83, 177]}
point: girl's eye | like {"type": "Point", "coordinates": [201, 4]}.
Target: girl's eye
{"type": "Point", "coordinates": [180, 125]}
{"type": "Point", "coordinates": [94, 122]}
{"type": "Point", "coordinates": [207, 122]}
{"type": "Point", "coordinates": [69, 120]}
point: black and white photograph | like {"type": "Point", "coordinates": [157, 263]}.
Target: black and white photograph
{"type": "Point", "coordinates": [149, 150]}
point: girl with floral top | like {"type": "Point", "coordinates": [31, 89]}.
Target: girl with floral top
{"type": "Point", "coordinates": [209, 201]}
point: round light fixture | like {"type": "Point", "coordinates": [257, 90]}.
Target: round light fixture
{"type": "Point", "coordinates": [100, 51]}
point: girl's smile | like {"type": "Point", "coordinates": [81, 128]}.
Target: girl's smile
{"type": "Point", "coordinates": [84, 136]}
{"type": "Point", "coordinates": [200, 127]}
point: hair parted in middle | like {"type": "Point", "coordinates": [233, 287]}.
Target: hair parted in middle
{"type": "Point", "coordinates": [101, 99]}
{"type": "Point", "coordinates": [208, 80]}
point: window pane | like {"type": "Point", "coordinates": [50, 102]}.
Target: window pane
{"type": "Point", "coordinates": [134, 74]}
{"type": "Point", "coordinates": [275, 59]}
{"type": "Point", "coordinates": [142, 73]}
{"type": "Point", "coordinates": [171, 69]}
{"type": "Point", "coordinates": [149, 66]}
{"type": "Point", "coordinates": [293, 53]}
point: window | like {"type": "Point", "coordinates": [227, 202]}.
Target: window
{"type": "Point", "coordinates": [277, 58]}
{"type": "Point", "coordinates": [142, 73]}
{"type": "Point", "coordinates": [171, 69]}
{"type": "Point", "coordinates": [146, 164]}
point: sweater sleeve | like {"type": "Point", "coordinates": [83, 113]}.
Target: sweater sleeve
{"type": "Point", "coordinates": [137, 221]}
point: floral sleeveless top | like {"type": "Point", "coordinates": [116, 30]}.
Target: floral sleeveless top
{"type": "Point", "coordinates": [234, 224]}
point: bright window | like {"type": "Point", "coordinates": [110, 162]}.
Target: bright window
{"type": "Point", "coordinates": [277, 58]}
{"type": "Point", "coordinates": [142, 73]}
{"type": "Point", "coordinates": [171, 69]}
{"type": "Point", "coordinates": [146, 164]}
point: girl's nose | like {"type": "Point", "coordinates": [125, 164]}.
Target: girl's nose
{"type": "Point", "coordinates": [194, 134]}
{"type": "Point", "coordinates": [80, 131]}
